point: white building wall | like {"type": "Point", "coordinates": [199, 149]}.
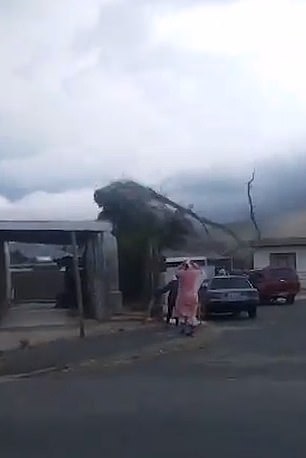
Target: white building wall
{"type": "Point", "coordinates": [301, 265]}
{"type": "Point", "coordinates": [262, 259]}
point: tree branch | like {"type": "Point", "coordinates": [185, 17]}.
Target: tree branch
{"type": "Point", "coordinates": [251, 206]}
{"type": "Point", "coordinates": [202, 220]}
{"type": "Point", "coordinates": [133, 191]}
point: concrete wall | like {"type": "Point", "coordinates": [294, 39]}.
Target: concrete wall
{"type": "Point", "coordinates": [44, 284]}
{"type": "Point", "coordinates": [110, 250]}
{"type": "Point", "coordinates": [262, 259]}
{"type": "Point", "coordinates": [5, 279]}
{"type": "Point", "coordinates": [37, 285]}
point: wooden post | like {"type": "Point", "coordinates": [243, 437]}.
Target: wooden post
{"type": "Point", "coordinates": [151, 268]}
{"type": "Point", "coordinates": [5, 279]}
{"type": "Point", "coordinates": [78, 286]}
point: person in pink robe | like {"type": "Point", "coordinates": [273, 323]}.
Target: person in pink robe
{"type": "Point", "coordinates": [189, 277]}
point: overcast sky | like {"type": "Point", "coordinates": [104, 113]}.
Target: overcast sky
{"type": "Point", "coordinates": [185, 95]}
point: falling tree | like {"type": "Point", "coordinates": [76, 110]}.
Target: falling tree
{"type": "Point", "coordinates": [145, 222]}
{"type": "Point", "coordinates": [144, 226]}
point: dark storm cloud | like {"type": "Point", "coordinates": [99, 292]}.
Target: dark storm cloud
{"type": "Point", "coordinates": [107, 96]}
{"type": "Point", "coordinates": [219, 193]}
{"type": "Point", "coordinates": [12, 193]}
{"type": "Point", "coordinates": [14, 190]}
{"type": "Point", "coordinates": [279, 187]}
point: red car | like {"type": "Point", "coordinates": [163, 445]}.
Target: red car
{"type": "Point", "coordinates": [273, 283]}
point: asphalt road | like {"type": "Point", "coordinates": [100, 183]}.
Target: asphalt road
{"type": "Point", "coordinates": [242, 396]}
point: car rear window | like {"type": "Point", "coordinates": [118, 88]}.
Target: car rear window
{"type": "Point", "coordinates": [230, 283]}
{"type": "Point", "coordinates": [282, 273]}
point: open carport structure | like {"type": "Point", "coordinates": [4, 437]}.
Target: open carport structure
{"type": "Point", "coordinates": [100, 260]}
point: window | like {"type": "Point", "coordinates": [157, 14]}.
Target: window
{"type": "Point", "coordinates": [256, 277]}
{"type": "Point", "coordinates": [283, 260]}
{"type": "Point", "coordinates": [230, 283]}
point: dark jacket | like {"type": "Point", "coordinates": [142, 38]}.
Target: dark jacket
{"type": "Point", "coordinates": [172, 288]}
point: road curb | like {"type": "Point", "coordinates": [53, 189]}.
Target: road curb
{"type": "Point", "coordinates": [57, 353]}
{"type": "Point", "coordinates": [203, 337]}
{"type": "Point", "coordinates": [169, 342]}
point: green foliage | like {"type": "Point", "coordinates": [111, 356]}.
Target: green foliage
{"type": "Point", "coordinates": [139, 222]}
{"type": "Point", "coordinates": [135, 215]}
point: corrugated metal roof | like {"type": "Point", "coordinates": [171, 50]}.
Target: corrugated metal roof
{"type": "Point", "coordinates": [279, 242]}
{"type": "Point", "coordinates": [63, 226]}
{"type": "Point", "coordinates": [50, 232]}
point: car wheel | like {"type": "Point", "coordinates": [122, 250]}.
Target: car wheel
{"type": "Point", "coordinates": [252, 313]}
{"type": "Point", "coordinates": [290, 299]}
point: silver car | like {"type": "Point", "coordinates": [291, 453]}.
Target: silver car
{"type": "Point", "coordinates": [230, 294]}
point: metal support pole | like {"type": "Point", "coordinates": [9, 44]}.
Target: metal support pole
{"type": "Point", "coordinates": [78, 286]}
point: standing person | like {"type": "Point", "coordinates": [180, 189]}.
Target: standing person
{"type": "Point", "coordinates": [187, 302]}
{"type": "Point", "coordinates": [222, 271]}
{"type": "Point", "coordinates": [171, 288]}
